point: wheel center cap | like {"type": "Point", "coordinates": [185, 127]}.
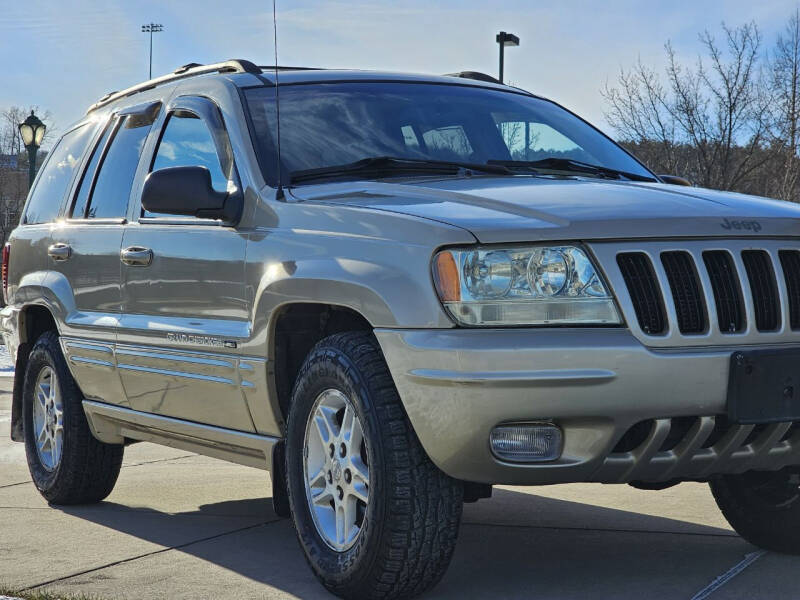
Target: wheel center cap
{"type": "Point", "coordinates": [337, 471]}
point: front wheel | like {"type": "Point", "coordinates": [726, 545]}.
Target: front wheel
{"type": "Point", "coordinates": [374, 516]}
{"type": "Point", "coordinates": [763, 507]}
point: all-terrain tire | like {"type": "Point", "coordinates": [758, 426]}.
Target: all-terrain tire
{"type": "Point", "coordinates": [763, 507]}
{"type": "Point", "coordinates": [411, 523]}
{"type": "Point", "coordinates": [87, 469]}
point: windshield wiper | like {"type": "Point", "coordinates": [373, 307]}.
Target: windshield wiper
{"type": "Point", "coordinates": [379, 166]}
{"type": "Point", "coordinates": [569, 164]}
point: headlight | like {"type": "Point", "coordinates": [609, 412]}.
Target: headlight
{"type": "Point", "coordinates": [535, 285]}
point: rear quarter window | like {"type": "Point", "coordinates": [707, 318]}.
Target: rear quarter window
{"type": "Point", "coordinates": [57, 173]}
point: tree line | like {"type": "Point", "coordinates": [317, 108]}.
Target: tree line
{"type": "Point", "coordinates": [730, 120]}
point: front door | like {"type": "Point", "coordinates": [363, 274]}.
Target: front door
{"type": "Point", "coordinates": [184, 305]}
{"type": "Point", "coordinates": [85, 254]}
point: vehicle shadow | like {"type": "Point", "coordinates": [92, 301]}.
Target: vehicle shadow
{"type": "Point", "coordinates": [515, 545]}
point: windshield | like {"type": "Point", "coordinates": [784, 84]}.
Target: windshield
{"type": "Point", "coordinates": [330, 124]}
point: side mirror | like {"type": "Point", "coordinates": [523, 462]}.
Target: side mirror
{"type": "Point", "coordinates": [675, 180]}
{"type": "Point", "coordinates": [188, 191]}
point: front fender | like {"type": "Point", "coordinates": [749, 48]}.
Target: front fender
{"type": "Point", "coordinates": [387, 282]}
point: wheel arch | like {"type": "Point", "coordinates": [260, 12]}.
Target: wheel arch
{"type": "Point", "coordinates": [294, 329]}
{"type": "Point", "coordinates": [33, 321]}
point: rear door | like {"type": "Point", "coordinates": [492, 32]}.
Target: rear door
{"type": "Point", "coordinates": [85, 253]}
{"type": "Point", "coordinates": [30, 241]}
{"type": "Point", "coordinates": [185, 309]}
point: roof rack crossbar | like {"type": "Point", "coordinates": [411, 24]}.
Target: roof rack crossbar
{"type": "Point", "coordinates": [188, 70]}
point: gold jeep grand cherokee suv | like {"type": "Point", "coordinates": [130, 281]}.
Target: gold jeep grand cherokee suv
{"type": "Point", "coordinates": [406, 290]}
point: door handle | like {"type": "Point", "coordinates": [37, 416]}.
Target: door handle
{"type": "Point", "coordinates": [136, 256]}
{"type": "Point", "coordinates": [59, 252]}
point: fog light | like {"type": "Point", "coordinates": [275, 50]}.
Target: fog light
{"type": "Point", "coordinates": [526, 442]}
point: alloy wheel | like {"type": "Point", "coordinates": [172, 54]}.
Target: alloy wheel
{"type": "Point", "coordinates": [336, 470]}
{"type": "Point", "coordinates": [48, 419]}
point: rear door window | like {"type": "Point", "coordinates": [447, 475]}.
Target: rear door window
{"type": "Point", "coordinates": [57, 174]}
{"type": "Point", "coordinates": [112, 186]}
{"type": "Point", "coordinates": [85, 186]}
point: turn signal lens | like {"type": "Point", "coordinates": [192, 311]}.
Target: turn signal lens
{"type": "Point", "coordinates": [445, 273]}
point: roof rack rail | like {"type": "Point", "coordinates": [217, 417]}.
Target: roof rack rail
{"type": "Point", "coordinates": [189, 70]}
{"type": "Point", "coordinates": [477, 75]}
{"type": "Point", "coordinates": [268, 68]}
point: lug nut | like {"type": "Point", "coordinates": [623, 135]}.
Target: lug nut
{"type": "Point", "coordinates": [331, 450]}
{"type": "Point", "coordinates": [330, 477]}
{"type": "Point", "coordinates": [348, 477]}
{"type": "Point", "coordinates": [341, 492]}
{"type": "Point", "coordinates": [342, 450]}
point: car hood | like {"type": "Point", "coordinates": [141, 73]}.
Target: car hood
{"type": "Point", "coordinates": [515, 209]}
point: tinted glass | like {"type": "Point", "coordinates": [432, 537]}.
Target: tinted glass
{"type": "Point", "coordinates": [45, 202]}
{"type": "Point", "coordinates": [337, 123]}
{"type": "Point", "coordinates": [187, 142]}
{"type": "Point", "coordinates": [85, 186]}
{"type": "Point", "coordinates": [109, 198]}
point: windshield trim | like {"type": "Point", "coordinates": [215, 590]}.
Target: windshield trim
{"type": "Point", "coordinates": [269, 171]}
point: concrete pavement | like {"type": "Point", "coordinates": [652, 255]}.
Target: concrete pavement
{"type": "Point", "coordinates": [181, 526]}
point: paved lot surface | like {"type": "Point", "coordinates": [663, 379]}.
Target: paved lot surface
{"type": "Point", "coordinates": [181, 526]}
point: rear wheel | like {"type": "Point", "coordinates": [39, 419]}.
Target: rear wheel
{"type": "Point", "coordinates": [763, 507]}
{"type": "Point", "coordinates": [374, 516]}
{"type": "Point", "coordinates": [67, 464]}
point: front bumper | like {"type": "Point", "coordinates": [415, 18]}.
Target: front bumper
{"type": "Point", "coordinates": [597, 384]}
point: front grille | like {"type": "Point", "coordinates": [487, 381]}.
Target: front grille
{"type": "Point", "coordinates": [637, 271]}
{"type": "Point", "coordinates": [727, 290]}
{"type": "Point", "coordinates": [762, 285]}
{"type": "Point", "coordinates": [790, 261]}
{"type": "Point", "coordinates": [707, 292]}
{"type": "Point", "coordinates": [686, 293]}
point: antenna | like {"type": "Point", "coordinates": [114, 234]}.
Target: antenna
{"type": "Point", "coordinates": [279, 193]}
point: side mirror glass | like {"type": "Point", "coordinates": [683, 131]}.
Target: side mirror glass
{"type": "Point", "coordinates": [188, 191]}
{"type": "Point", "coordinates": [675, 180]}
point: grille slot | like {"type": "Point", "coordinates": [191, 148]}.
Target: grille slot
{"type": "Point", "coordinates": [686, 291]}
{"type": "Point", "coordinates": [790, 261]}
{"type": "Point", "coordinates": [637, 271]}
{"type": "Point", "coordinates": [680, 448]}
{"type": "Point", "coordinates": [727, 290]}
{"type": "Point", "coordinates": [763, 287]}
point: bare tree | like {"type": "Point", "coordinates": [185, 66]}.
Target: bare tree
{"type": "Point", "coordinates": [641, 114]}
{"type": "Point", "coordinates": [785, 87]}
{"type": "Point", "coordinates": [708, 121]}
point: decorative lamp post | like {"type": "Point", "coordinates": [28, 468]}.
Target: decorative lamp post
{"type": "Point", "coordinates": [32, 132]}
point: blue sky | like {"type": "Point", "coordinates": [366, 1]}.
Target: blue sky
{"type": "Point", "coordinates": [64, 55]}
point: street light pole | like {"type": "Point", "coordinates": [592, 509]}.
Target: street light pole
{"type": "Point", "coordinates": [505, 39]}
{"type": "Point", "coordinates": [152, 28]}
{"type": "Point", "coordinates": [32, 132]}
